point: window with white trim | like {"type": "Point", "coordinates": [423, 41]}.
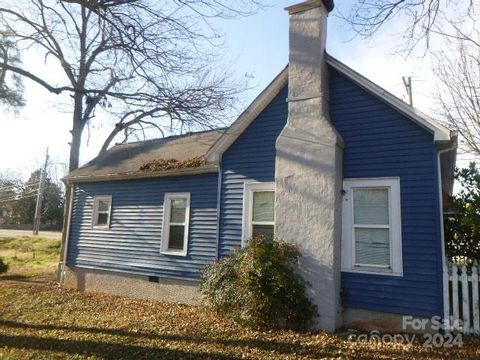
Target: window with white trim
{"type": "Point", "coordinates": [102, 208]}
{"type": "Point", "coordinates": [258, 210]}
{"type": "Point", "coordinates": [371, 226]}
{"type": "Point", "coordinates": [176, 214]}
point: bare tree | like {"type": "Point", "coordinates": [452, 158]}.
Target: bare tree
{"type": "Point", "coordinates": [146, 63]}
{"type": "Point", "coordinates": [458, 70]}
{"type": "Point", "coordinates": [449, 31]}
{"type": "Point", "coordinates": [424, 19]}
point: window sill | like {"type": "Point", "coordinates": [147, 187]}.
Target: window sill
{"type": "Point", "coordinates": [372, 271]}
{"type": "Point", "coordinates": [99, 227]}
{"type": "Point", "coordinates": [173, 253]}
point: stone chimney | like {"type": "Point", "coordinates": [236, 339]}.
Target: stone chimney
{"type": "Point", "coordinates": [308, 172]}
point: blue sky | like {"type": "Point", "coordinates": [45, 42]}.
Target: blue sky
{"type": "Point", "coordinates": [256, 45]}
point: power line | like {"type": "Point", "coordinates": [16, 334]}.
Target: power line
{"type": "Point", "coordinates": [19, 185]}
{"type": "Point", "coordinates": [16, 190]}
{"type": "Point", "coordinates": [23, 196]}
{"type": "Point", "coordinates": [9, 187]}
{"type": "Point", "coordinates": [18, 199]}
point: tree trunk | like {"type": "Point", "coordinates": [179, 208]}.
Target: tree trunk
{"type": "Point", "coordinates": [77, 129]}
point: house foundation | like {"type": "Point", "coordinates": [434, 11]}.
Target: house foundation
{"type": "Point", "coordinates": [134, 286]}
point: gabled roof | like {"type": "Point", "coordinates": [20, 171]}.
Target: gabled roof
{"type": "Point", "coordinates": [440, 132]}
{"type": "Point", "coordinates": [123, 161]}
{"type": "Point", "coordinates": [247, 117]}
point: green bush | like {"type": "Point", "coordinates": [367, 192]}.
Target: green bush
{"type": "Point", "coordinates": [258, 286]}
{"type": "Point", "coordinates": [462, 221]}
{"type": "Point", "coordinates": [3, 267]}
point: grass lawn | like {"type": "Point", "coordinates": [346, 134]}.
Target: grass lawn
{"type": "Point", "coordinates": [40, 321]}
{"type": "Point", "coordinates": [30, 256]}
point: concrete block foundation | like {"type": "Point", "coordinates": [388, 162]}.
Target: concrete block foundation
{"type": "Point", "coordinates": [368, 320]}
{"type": "Point", "coordinates": [134, 286]}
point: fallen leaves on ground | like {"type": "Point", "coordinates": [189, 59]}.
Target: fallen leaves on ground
{"type": "Point", "coordinates": [38, 320]}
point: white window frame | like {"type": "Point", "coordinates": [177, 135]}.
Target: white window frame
{"type": "Point", "coordinates": [395, 226]}
{"type": "Point", "coordinates": [96, 212]}
{"type": "Point", "coordinates": [247, 223]}
{"type": "Point", "coordinates": [166, 223]}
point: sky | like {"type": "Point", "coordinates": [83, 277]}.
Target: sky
{"type": "Point", "coordinates": [257, 46]}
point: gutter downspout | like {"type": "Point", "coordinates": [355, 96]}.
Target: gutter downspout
{"type": "Point", "coordinates": [446, 309]}
{"type": "Point", "coordinates": [219, 197]}
{"type": "Point", "coordinates": [67, 239]}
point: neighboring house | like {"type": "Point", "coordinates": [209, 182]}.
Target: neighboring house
{"type": "Point", "coordinates": [323, 158]}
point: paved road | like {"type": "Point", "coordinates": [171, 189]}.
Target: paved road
{"type": "Point", "coordinates": [47, 234]}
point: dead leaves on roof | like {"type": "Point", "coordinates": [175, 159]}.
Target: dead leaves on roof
{"type": "Point", "coordinates": [173, 164]}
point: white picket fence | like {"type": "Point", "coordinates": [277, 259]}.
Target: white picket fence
{"type": "Point", "coordinates": [463, 297]}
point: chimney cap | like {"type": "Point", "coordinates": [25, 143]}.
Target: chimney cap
{"type": "Point", "coordinates": [310, 4]}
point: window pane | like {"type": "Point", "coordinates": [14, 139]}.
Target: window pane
{"type": "Point", "coordinates": [372, 247]}
{"type": "Point", "coordinates": [103, 205]}
{"type": "Point", "coordinates": [266, 230]}
{"type": "Point", "coordinates": [102, 219]}
{"type": "Point", "coordinates": [178, 210]}
{"type": "Point", "coordinates": [177, 234]}
{"type": "Point", "coordinates": [370, 206]}
{"type": "Point", "coordinates": [263, 205]}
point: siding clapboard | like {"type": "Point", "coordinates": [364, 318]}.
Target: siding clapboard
{"type": "Point", "coordinates": [380, 142]}
{"type": "Point", "coordinates": [250, 158]}
{"type": "Point", "coordinates": [132, 244]}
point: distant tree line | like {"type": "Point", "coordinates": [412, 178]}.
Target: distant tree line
{"type": "Point", "coordinates": [18, 200]}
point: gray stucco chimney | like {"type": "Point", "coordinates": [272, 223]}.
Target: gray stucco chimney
{"type": "Point", "coordinates": [308, 172]}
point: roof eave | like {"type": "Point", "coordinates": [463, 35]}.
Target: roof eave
{"type": "Point", "coordinates": [210, 168]}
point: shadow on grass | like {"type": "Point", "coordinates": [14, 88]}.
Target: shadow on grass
{"type": "Point", "coordinates": [40, 278]}
{"type": "Point", "coordinates": [103, 350]}
{"type": "Point", "coordinates": [16, 277]}
{"type": "Point", "coordinates": [266, 345]}
{"type": "Point", "coordinates": [129, 350]}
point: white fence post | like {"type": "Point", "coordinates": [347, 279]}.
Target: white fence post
{"type": "Point", "coordinates": [465, 301]}
{"type": "Point", "coordinates": [475, 304]}
{"type": "Point", "coordinates": [446, 292]}
{"type": "Point", "coordinates": [471, 319]}
{"type": "Point", "coordinates": [456, 310]}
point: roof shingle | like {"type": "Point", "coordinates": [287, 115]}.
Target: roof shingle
{"type": "Point", "coordinates": [126, 159]}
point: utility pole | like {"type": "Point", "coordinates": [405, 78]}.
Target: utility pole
{"type": "Point", "coordinates": [38, 207]}
{"type": "Point", "coordinates": [407, 82]}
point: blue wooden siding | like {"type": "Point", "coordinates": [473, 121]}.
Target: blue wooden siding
{"type": "Point", "coordinates": [132, 244]}
{"type": "Point", "coordinates": [250, 158]}
{"type": "Point", "coordinates": [381, 142]}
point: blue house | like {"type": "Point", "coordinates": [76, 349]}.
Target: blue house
{"type": "Point", "coordinates": [322, 158]}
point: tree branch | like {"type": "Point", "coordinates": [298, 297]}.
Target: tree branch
{"type": "Point", "coordinates": [29, 75]}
